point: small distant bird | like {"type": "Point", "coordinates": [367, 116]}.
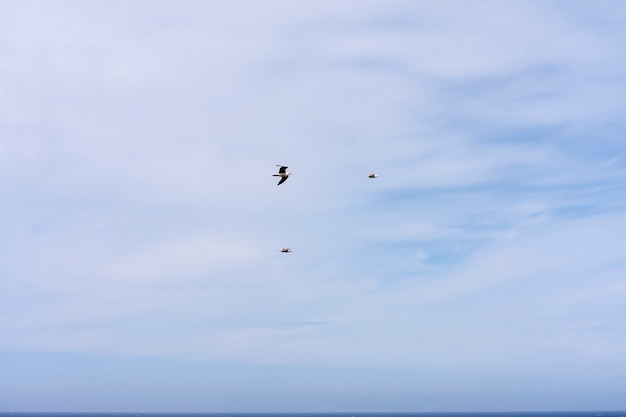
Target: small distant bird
{"type": "Point", "coordinates": [372, 176]}
{"type": "Point", "coordinates": [285, 250]}
{"type": "Point", "coordinates": [282, 173]}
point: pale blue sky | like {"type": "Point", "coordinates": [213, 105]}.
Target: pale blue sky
{"type": "Point", "coordinates": [139, 263]}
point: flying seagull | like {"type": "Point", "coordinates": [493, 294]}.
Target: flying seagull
{"type": "Point", "coordinates": [282, 173]}
{"type": "Point", "coordinates": [372, 176]}
{"type": "Point", "coordinates": [285, 250]}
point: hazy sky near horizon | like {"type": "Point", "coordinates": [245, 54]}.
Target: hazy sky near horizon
{"type": "Point", "coordinates": [483, 270]}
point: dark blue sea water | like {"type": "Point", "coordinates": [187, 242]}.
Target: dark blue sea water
{"type": "Point", "coordinates": [381, 414]}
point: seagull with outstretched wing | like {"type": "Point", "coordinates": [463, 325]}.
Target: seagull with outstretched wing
{"type": "Point", "coordinates": [282, 173]}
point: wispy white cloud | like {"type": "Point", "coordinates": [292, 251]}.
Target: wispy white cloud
{"type": "Point", "coordinates": [137, 145]}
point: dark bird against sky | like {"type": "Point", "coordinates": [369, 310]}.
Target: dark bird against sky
{"type": "Point", "coordinates": [282, 173]}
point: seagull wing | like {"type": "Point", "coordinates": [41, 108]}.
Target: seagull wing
{"type": "Point", "coordinates": [283, 179]}
{"type": "Point", "coordinates": [282, 169]}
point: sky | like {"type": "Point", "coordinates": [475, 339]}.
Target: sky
{"type": "Point", "coordinates": [483, 270]}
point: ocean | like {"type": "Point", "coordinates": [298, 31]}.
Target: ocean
{"type": "Point", "coordinates": [329, 414]}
